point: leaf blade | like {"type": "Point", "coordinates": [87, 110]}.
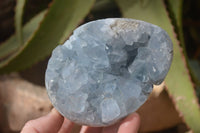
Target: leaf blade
{"type": "Point", "coordinates": [12, 44]}
{"type": "Point", "coordinates": [18, 19]}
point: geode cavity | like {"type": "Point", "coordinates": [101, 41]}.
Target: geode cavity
{"type": "Point", "coordinates": [107, 69]}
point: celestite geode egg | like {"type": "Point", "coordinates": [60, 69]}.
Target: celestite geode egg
{"type": "Point", "coordinates": [106, 70]}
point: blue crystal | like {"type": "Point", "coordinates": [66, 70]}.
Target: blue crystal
{"type": "Point", "coordinates": [107, 69]}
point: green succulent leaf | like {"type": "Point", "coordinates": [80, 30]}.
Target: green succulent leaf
{"type": "Point", "coordinates": [62, 17]}
{"type": "Point", "coordinates": [178, 80]}
{"type": "Point", "coordinates": [175, 11]}
{"type": "Point", "coordinates": [175, 7]}
{"type": "Point", "coordinates": [81, 10]}
{"type": "Point", "coordinates": [18, 19]}
{"type": "Point", "coordinates": [12, 45]}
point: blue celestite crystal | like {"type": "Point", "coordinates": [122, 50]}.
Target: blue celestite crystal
{"type": "Point", "coordinates": [107, 69]}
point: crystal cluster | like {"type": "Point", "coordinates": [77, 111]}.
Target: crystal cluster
{"type": "Point", "coordinates": [107, 69]}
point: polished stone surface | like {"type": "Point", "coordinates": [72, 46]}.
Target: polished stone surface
{"type": "Point", "coordinates": [106, 70]}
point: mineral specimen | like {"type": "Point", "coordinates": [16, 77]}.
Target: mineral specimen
{"type": "Point", "coordinates": [107, 69]}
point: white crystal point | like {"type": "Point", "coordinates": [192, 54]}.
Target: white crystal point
{"type": "Point", "coordinates": [106, 69]}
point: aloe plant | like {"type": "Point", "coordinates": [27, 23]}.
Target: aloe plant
{"type": "Point", "coordinates": [36, 39]}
